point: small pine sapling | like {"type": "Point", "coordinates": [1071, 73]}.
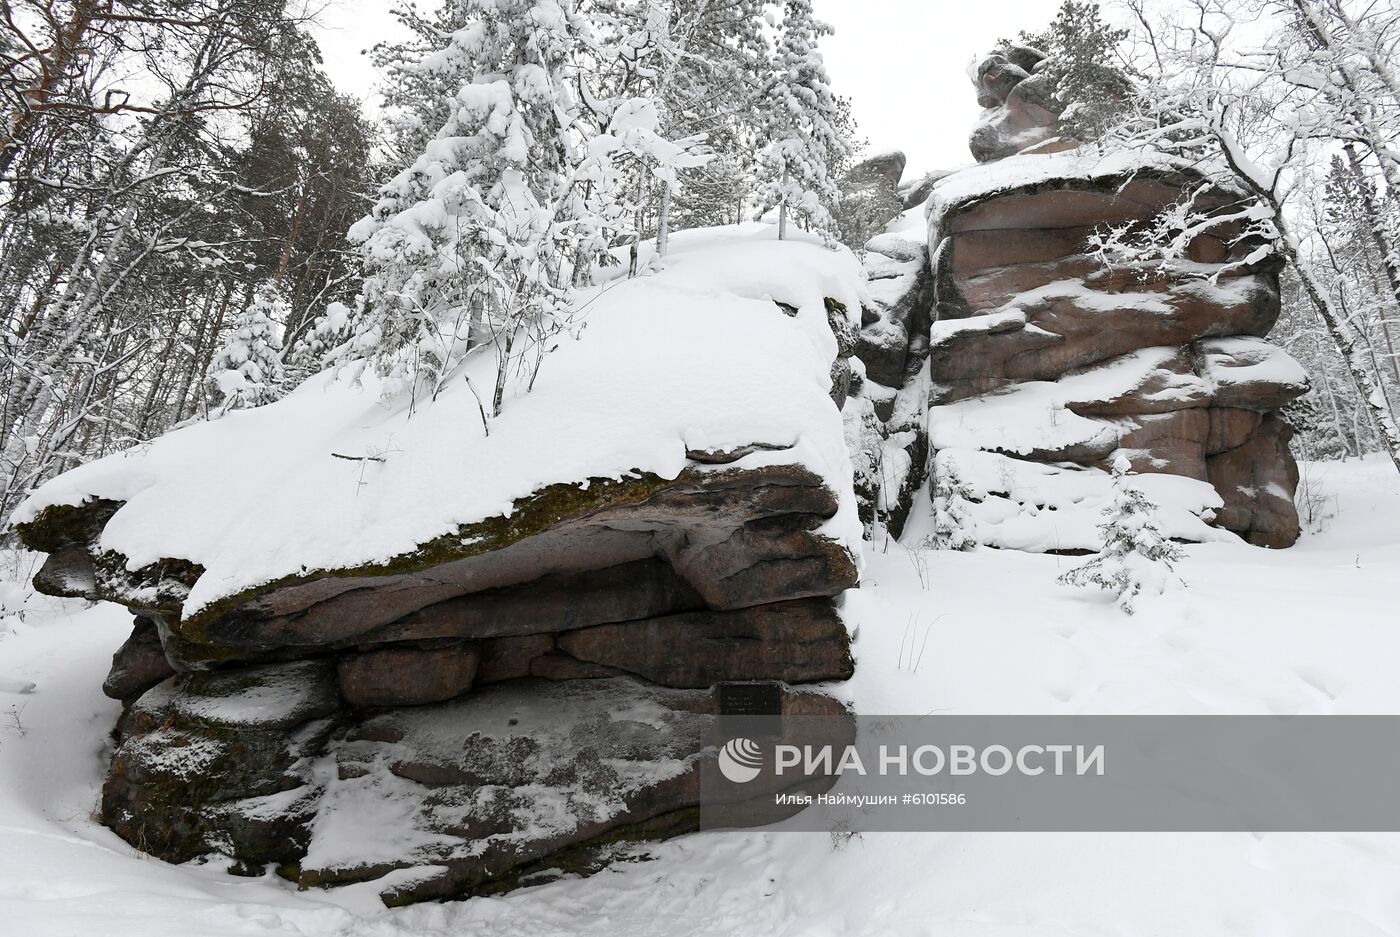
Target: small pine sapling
{"type": "Point", "coordinates": [247, 370]}
{"type": "Point", "coordinates": [952, 525]}
{"type": "Point", "coordinates": [1136, 558]}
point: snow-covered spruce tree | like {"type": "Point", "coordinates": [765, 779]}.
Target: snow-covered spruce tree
{"type": "Point", "coordinates": [419, 85]}
{"type": "Point", "coordinates": [727, 60]}
{"type": "Point", "coordinates": [952, 525]}
{"type": "Point", "coordinates": [477, 242]}
{"type": "Point", "coordinates": [247, 369]}
{"type": "Point", "coordinates": [807, 147]}
{"type": "Point", "coordinates": [309, 353]}
{"type": "Point", "coordinates": [1136, 557]}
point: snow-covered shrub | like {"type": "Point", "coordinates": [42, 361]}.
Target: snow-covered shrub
{"type": "Point", "coordinates": [1136, 557]}
{"type": "Point", "coordinates": [247, 370]}
{"type": "Point", "coordinates": [952, 526]}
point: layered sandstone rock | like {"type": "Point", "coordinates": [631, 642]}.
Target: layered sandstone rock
{"type": "Point", "coordinates": [1005, 352]}
{"type": "Point", "coordinates": [481, 702]}
{"type": "Point", "coordinates": [1042, 351]}
{"type": "Point", "coordinates": [716, 540]}
{"type": "Point", "coordinates": [600, 597]}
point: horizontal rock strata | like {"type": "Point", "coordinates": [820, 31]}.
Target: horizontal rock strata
{"type": "Point", "coordinates": [504, 700]}
{"type": "Point", "coordinates": [1043, 352]}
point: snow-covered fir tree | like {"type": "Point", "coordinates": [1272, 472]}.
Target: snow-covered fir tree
{"type": "Point", "coordinates": [477, 242]}
{"type": "Point", "coordinates": [247, 369]}
{"type": "Point", "coordinates": [806, 146]}
{"type": "Point", "coordinates": [1136, 557]}
{"type": "Point", "coordinates": [309, 352]}
{"type": "Point", "coordinates": [952, 525]}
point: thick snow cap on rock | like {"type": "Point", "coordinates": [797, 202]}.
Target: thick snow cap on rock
{"type": "Point", "coordinates": [1028, 170]}
{"type": "Point", "coordinates": [1014, 504]}
{"type": "Point", "coordinates": [695, 357]}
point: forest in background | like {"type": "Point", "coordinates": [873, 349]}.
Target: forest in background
{"type": "Point", "coordinates": [192, 218]}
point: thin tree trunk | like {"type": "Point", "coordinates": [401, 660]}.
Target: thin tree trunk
{"type": "Point", "coordinates": [502, 369]}
{"type": "Point", "coordinates": [782, 207]}
{"type": "Point", "coordinates": [663, 222]}
{"type": "Point", "coordinates": [637, 223]}
{"type": "Point", "coordinates": [286, 257]}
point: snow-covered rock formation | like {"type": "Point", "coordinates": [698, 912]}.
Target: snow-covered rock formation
{"type": "Point", "coordinates": [1019, 108]}
{"type": "Point", "coordinates": [1022, 362]}
{"type": "Point", "coordinates": [493, 646]}
{"type": "Point", "coordinates": [407, 644]}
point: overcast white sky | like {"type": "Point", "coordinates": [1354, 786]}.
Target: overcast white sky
{"type": "Point", "coordinates": [901, 62]}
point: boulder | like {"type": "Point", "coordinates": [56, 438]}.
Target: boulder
{"type": "Point", "coordinates": [996, 77]}
{"type": "Point", "coordinates": [1022, 114]}
{"type": "Point", "coordinates": [717, 574]}
{"type": "Point", "coordinates": [841, 380]}
{"type": "Point", "coordinates": [884, 348]}
{"type": "Point", "coordinates": [886, 166]}
{"type": "Point", "coordinates": [1024, 57]}
{"type": "Point", "coordinates": [218, 763]}
{"type": "Point", "coordinates": [139, 664]}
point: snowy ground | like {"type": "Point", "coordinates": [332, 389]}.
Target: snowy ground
{"type": "Point", "coordinates": [1308, 630]}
